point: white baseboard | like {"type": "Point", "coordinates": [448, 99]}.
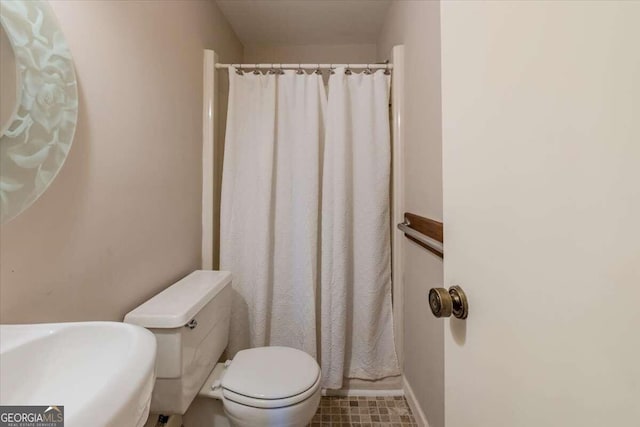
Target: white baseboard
{"type": "Point", "coordinates": [418, 414]}
{"type": "Point", "coordinates": [362, 392]}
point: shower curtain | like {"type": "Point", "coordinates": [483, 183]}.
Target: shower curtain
{"type": "Point", "coordinates": [357, 326]}
{"type": "Point", "coordinates": [270, 207]}
{"type": "Point", "coordinates": [305, 219]}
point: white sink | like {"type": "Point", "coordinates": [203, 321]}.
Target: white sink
{"type": "Point", "coordinates": [102, 372]}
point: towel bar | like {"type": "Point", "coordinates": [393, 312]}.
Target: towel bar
{"type": "Point", "coordinates": [414, 228]}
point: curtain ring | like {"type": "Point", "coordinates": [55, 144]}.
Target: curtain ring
{"type": "Point", "coordinates": [238, 69]}
{"type": "Point", "coordinates": [387, 71]}
{"type": "Point", "coordinates": [368, 70]}
{"type": "Point", "coordinates": [318, 70]}
{"type": "Point", "coordinates": [348, 70]}
{"type": "Point", "coordinates": [331, 69]}
{"type": "Point", "coordinates": [272, 70]}
{"type": "Point", "coordinates": [280, 70]}
{"type": "Point", "coordinates": [299, 69]}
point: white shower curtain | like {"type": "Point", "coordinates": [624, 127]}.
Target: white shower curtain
{"type": "Point", "coordinates": [270, 207]}
{"type": "Point", "coordinates": [305, 219]}
{"type": "Point", "coordinates": [357, 328]}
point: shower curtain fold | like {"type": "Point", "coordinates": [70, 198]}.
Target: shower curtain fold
{"type": "Point", "coordinates": [357, 326]}
{"type": "Point", "coordinates": [269, 210]}
{"type": "Point", "coordinates": [305, 219]}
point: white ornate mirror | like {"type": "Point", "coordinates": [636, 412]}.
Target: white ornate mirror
{"type": "Point", "coordinates": [38, 103]}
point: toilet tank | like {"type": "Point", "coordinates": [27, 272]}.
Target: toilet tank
{"type": "Point", "coordinates": [190, 320]}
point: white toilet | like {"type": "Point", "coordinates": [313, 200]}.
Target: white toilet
{"type": "Point", "coordinates": [265, 386]}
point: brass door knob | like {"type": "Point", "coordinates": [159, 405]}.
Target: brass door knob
{"type": "Point", "coordinates": [443, 303]}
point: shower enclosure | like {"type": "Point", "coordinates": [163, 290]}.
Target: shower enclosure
{"type": "Point", "coordinates": [214, 115]}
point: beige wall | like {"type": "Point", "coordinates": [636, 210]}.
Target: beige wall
{"type": "Point", "coordinates": [346, 53]}
{"type": "Point", "coordinates": [416, 24]}
{"type": "Point", "coordinates": [122, 220]}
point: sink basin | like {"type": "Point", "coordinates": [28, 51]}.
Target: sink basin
{"type": "Point", "coordinates": [102, 372]}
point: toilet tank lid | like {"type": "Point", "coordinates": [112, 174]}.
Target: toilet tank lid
{"type": "Point", "coordinates": [179, 303]}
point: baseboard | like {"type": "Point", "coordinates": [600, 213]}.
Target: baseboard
{"type": "Point", "coordinates": [418, 414]}
{"type": "Point", "coordinates": [362, 392]}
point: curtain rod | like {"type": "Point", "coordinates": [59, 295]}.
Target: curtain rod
{"type": "Point", "coordinates": [371, 66]}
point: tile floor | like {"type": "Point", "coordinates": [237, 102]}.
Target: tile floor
{"type": "Point", "coordinates": [363, 411]}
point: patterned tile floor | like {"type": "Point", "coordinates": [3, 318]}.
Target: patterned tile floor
{"type": "Point", "coordinates": [363, 411]}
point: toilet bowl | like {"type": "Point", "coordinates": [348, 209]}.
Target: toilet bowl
{"type": "Point", "coordinates": [267, 386]}
{"type": "Point", "coordinates": [264, 386]}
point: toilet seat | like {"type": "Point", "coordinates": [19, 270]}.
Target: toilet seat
{"type": "Point", "coordinates": [271, 377]}
{"type": "Point", "coordinates": [270, 403]}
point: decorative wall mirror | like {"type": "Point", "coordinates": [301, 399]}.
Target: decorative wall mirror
{"type": "Point", "coordinates": [38, 103]}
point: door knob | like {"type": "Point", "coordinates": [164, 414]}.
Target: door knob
{"type": "Point", "coordinates": [444, 302]}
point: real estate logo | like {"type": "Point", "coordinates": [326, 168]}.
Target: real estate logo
{"type": "Point", "coordinates": [32, 416]}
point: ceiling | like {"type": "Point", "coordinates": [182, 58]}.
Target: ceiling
{"type": "Point", "coordinates": [298, 22]}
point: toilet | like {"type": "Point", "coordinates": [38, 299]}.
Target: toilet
{"type": "Point", "coordinates": [264, 386]}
